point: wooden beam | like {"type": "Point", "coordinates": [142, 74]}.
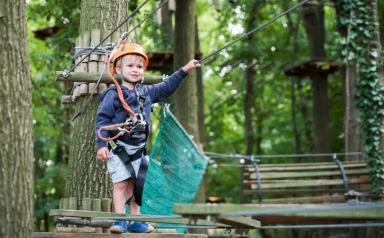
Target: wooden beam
{"type": "Point", "coordinates": [174, 219]}
{"type": "Point", "coordinates": [85, 77]}
{"type": "Point", "coordinates": [323, 174]}
{"type": "Point", "coordinates": [298, 167]}
{"type": "Point", "coordinates": [290, 183]}
{"type": "Point", "coordinates": [110, 235]}
{"type": "Point", "coordinates": [342, 212]}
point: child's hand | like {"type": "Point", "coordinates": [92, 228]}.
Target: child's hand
{"type": "Point", "coordinates": [103, 153]}
{"type": "Point", "coordinates": [191, 65]}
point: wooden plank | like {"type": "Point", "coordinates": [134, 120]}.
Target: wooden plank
{"type": "Point", "coordinates": [307, 183]}
{"type": "Point", "coordinates": [86, 77]}
{"type": "Point", "coordinates": [244, 222]}
{"type": "Point", "coordinates": [174, 219]}
{"type": "Point", "coordinates": [308, 174]}
{"type": "Point", "coordinates": [362, 163]}
{"type": "Point", "coordinates": [75, 230]}
{"type": "Point", "coordinates": [315, 199]}
{"type": "Point", "coordinates": [343, 212]}
{"type": "Point", "coordinates": [300, 168]}
{"type": "Point", "coordinates": [294, 192]}
{"type": "Point", "coordinates": [110, 235]}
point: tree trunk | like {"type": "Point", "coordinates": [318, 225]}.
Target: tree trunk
{"type": "Point", "coordinates": [87, 177]}
{"type": "Point", "coordinates": [294, 30]}
{"type": "Point", "coordinates": [166, 20]}
{"type": "Point", "coordinates": [186, 108]}
{"type": "Point", "coordinates": [16, 147]}
{"type": "Point", "coordinates": [352, 133]}
{"type": "Point", "coordinates": [249, 75]}
{"type": "Point", "coordinates": [313, 16]}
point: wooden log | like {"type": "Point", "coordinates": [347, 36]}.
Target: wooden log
{"type": "Point", "coordinates": [95, 40]}
{"type": "Point", "coordinates": [306, 164]}
{"type": "Point", "coordinates": [94, 58]}
{"type": "Point", "coordinates": [106, 204]}
{"type": "Point", "coordinates": [85, 39]}
{"type": "Point", "coordinates": [308, 183]}
{"type": "Point", "coordinates": [86, 204]}
{"type": "Point", "coordinates": [65, 203]}
{"type": "Point", "coordinates": [296, 200]}
{"type": "Point", "coordinates": [72, 203]}
{"type": "Point", "coordinates": [86, 77]}
{"type": "Point", "coordinates": [84, 222]}
{"type": "Point", "coordinates": [96, 206]}
{"type": "Point", "coordinates": [296, 192]}
{"type": "Point", "coordinates": [92, 68]}
{"type": "Point", "coordinates": [297, 167]}
{"type": "Point", "coordinates": [75, 230]}
{"type": "Point", "coordinates": [109, 235]}
{"type": "Point", "coordinates": [268, 175]}
{"type": "Point", "coordinates": [67, 99]}
{"type": "Point", "coordinates": [352, 212]}
{"type": "Point", "coordinates": [174, 219]}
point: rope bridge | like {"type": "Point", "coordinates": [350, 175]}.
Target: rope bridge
{"type": "Point", "coordinates": [175, 170]}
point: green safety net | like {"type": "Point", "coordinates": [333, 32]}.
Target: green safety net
{"type": "Point", "coordinates": [176, 168]}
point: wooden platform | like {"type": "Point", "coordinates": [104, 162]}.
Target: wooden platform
{"type": "Point", "coordinates": [289, 214]}
{"type": "Point", "coordinates": [306, 183]}
{"type": "Point", "coordinates": [109, 235]}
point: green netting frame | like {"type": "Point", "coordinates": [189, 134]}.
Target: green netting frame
{"type": "Point", "coordinates": [176, 168]}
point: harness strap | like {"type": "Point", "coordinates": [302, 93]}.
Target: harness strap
{"type": "Point", "coordinates": [139, 179]}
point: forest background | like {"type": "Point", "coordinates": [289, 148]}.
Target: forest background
{"type": "Point", "coordinates": [282, 120]}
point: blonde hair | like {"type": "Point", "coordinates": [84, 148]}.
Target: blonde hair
{"type": "Point", "coordinates": [142, 59]}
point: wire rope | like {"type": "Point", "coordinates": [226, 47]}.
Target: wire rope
{"type": "Point", "coordinates": [252, 31]}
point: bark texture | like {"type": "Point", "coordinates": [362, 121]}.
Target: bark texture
{"type": "Point", "coordinates": [352, 120]}
{"type": "Point", "coordinates": [88, 177]}
{"type": "Point", "coordinates": [16, 147]}
{"type": "Point", "coordinates": [313, 16]}
{"type": "Point", "coordinates": [186, 109]}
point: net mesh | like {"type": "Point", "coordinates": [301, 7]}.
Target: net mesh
{"type": "Point", "coordinates": [175, 169]}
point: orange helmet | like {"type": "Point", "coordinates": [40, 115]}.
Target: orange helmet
{"type": "Point", "coordinates": [129, 48]}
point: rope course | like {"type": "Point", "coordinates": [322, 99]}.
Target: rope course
{"type": "Point", "coordinates": [66, 72]}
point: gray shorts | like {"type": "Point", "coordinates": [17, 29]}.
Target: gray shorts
{"type": "Point", "coordinates": [117, 168]}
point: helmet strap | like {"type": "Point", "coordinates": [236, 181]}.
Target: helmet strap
{"type": "Point", "coordinates": [121, 76]}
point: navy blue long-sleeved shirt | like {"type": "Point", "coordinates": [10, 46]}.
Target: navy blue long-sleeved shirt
{"type": "Point", "coordinates": [111, 112]}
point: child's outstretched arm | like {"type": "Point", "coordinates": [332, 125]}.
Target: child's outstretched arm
{"type": "Point", "coordinates": [191, 65]}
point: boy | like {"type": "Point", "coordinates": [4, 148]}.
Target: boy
{"type": "Point", "coordinates": [127, 164]}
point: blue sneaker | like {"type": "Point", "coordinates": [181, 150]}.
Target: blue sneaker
{"type": "Point", "coordinates": [118, 227]}
{"type": "Point", "coordinates": [140, 227]}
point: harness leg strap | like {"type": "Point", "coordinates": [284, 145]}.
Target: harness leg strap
{"type": "Point", "coordinates": [138, 179]}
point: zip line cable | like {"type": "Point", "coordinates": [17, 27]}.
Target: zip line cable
{"type": "Point", "coordinates": [66, 72]}
{"type": "Point", "coordinates": [256, 29]}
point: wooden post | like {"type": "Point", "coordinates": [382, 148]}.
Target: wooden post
{"type": "Point", "coordinates": [93, 59]}
{"type": "Point", "coordinates": [96, 206]}
{"type": "Point", "coordinates": [84, 65]}
{"type": "Point", "coordinates": [72, 203]}
{"type": "Point", "coordinates": [106, 204]}
{"type": "Point", "coordinates": [103, 86]}
{"type": "Point", "coordinates": [86, 204]}
{"type": "Point", "coordinates": [77, 69]}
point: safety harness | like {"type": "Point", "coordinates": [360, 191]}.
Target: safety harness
{"type": "Point", "coordinates": [138, 128]}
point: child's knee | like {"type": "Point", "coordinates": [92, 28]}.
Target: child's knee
{"type": "Point", "coordinates": [121, 186]}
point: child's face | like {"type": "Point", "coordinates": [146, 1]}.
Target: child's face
{"type": "Point", "coordinates": [132, 67]}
